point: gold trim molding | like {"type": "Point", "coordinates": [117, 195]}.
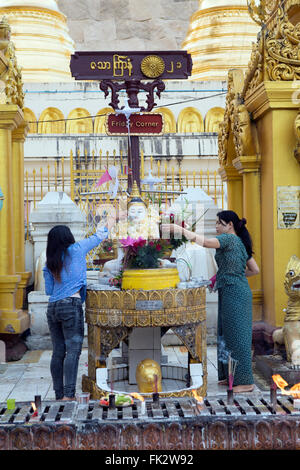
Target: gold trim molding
{"type": "Point", "coordinates": [118, 308]}
{"type": "Point", "coordinates": [275, 55]}
{"type": "Point", "coordinates": [33, 10]}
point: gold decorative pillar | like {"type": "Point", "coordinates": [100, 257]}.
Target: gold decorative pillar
{"type": "Point", "coordinates": [249, 167]}
{"type": "Point", "coordinates": [274, 109]}
{"type": "Point", "coordinates": [18, 138]}
{"type": "Point", "coordinates": [262, 121]}
{"type": "Point", "coordinates": [240, 160]}
{"type": "Point", "coordinates": [12, 133]}
{"type": "Point", "coordinates": [234, 181]}
{"type": "Point", "coordinates": [227, 145]}
{"type": "Point", "coordinates": [12, 319]}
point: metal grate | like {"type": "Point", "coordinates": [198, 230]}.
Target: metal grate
{"type": "Point", "coordinates": [173, 409]}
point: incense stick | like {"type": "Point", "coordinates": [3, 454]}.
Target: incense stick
{"type": "Point", "coordinates": [232, 363]}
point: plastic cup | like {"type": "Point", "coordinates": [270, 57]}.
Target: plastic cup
{"type": "Point", "coordinates": [83, 398]}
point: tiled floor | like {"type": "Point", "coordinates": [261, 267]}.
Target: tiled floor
{"type": "Point", "coordinates": [30, 376]}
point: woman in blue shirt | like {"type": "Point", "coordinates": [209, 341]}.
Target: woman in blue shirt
{"type": "Point", "coordinates": [235, 262]}
{"type": "Point", "coordinates": [65, 283]}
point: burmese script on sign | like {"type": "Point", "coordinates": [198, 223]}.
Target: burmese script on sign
{"type": "Point", "coordinates": [139, 124]}
{"type": "Point", "coordinates": [129, 65]}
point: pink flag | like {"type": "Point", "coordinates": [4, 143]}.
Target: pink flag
{"type": "Point", "coordinates": [104, 178]}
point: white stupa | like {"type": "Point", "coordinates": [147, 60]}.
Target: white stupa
{"type": "Point", "coordinates": [41, 37]}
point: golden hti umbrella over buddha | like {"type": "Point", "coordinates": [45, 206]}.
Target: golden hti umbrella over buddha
{"type": "Point", "coordinates": [136, 218]}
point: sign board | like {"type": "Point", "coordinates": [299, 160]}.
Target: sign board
{"type": "Point", "coordinates": [288, 207]}
{"type": "Point", "coordinates": [137, 65]}
{"type": "Point", "coordinates": [140, 124]}
{"type": "Point", "coordinates": [149, 305]}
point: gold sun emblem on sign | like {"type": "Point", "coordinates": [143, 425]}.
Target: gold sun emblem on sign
{"type": "Point", "coordinates": [152, 66]}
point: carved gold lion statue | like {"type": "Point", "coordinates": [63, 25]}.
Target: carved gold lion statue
{"type": "Point", "coordinates": [289, 335]}
{"type": "Point", "coordinates": [148, 376]}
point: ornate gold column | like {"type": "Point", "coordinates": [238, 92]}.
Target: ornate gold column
{"type": "Point", "coordinates": [234, 188]}
{"type": "Point", "coordinates": [275, 111]}
{"type": "Point", "coordinates": [240, 160]}
{"type": "Point", "coordinates": [12, 320]}
{"type": "Point", "coordinates": [227, 144]}
{"type": "Point", "coordinates": [249, 167]}
{"type": "Point", "coordinates": [18, 138]}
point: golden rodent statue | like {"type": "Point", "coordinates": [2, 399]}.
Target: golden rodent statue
{"type": "Point", "coordinates": [148, 375]}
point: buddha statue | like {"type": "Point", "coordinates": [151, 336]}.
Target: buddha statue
{"type": "Point", "coordinates": [140, 220]}
{"type": "Point", "coordinates": [137, 221]}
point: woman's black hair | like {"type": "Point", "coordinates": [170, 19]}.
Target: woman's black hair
{"type": "Point", "coordinates": [60, 238]}
{"type": "Point", "coordinates": [239, 226]}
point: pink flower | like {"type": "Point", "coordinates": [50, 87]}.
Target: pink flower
{"type": "Point", "coordinates": [139, 242]}
{"type": "Point", "coordinates": [128, 241]}
{"type": "Point", "coordinates": [158, 247]}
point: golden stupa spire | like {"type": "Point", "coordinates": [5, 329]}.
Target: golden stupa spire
{"type": "Point", "coordinates": [135, 191]}
{"type": "Point", "coordinates": [219, 38]}
{"type": "Point", "coordinates": [42, 41]}
{"type": "Point", "coordinates": [135, 195]}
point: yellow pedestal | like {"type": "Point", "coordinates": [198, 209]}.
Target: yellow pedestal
{"type": "Point", "coordinates": [148, 279]}
{"type": "Point", "coordinates": [13, 277]}
{"type": "Point", "coordinates": [12, 319]}
{"type": "Point", "coordinates": [21, 289]}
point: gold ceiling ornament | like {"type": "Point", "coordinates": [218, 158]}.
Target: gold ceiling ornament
{"type": "Point", "coordinates": [282, 59]}
{"type": "Point", "coordinates": [242, 137]}
{"type": "Point", "coordinates": [11, 78]}
{"type": "Point", "coordinates": [237, 123]}
{"type": "Point", "coordinates": [234, 86]}
{"type": "Point", "coordinates": [261, 10]}
{"type": "Point", "coordinates": [255, 73]}
{"type": "Point", "coordinates": [297, 134]}
{"type": "Point", "coordinates": [152, 66]}
{"type": "Point", "coordinates": [275, 55]}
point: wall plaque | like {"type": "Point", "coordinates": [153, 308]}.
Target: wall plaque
{"type": "Point", "coordinates": [149, 305]}
{"type": "Point", "coordinates": [288, 207]}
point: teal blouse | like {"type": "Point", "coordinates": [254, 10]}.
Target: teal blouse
{"type": "Point", "coordinates": [231, 259]}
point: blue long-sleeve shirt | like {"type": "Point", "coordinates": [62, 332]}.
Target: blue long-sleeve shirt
{"type": "Point", "coordinates": [73, 273]}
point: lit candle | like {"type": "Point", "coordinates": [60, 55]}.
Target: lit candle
{"type": "Point", "coordinates": [142, 400]}
{"type": "Point", "coordinates": [38, 402]}
{"type": "Point", "coordinates": [35, 411]}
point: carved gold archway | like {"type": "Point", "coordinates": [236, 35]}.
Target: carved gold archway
{"type": "Point", "coordinates": [31, 119]}
{"type": "Point", "coordinates": [213, 118]}
{"type": "Point", "coordinates": [190, 121]}
{"type": "Point", "coordinates": [51, 121]}
{"type": "Point", "coordinates": [169, 120]}
{"type": "Point", "coordinates": [99, 124]}
{"type": "Point", "coordinates": [79, 122]}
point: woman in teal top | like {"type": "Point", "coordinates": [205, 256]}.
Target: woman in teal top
{"type": "Point", "coordinates": [235, 263]}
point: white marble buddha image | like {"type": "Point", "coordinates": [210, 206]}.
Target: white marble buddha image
{"type": "Point", "coordinates": [135, 220]}
{"type": "Point", "coordinates": [140, 220]}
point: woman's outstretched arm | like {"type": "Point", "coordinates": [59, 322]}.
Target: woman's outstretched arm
{"type": "Point", "coordinates": [178, 231]}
